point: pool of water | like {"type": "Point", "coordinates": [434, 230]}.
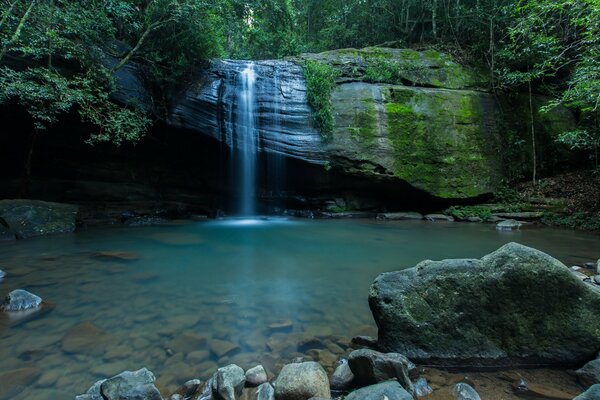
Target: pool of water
{"type": "Point", "coordinates": [184, 298]}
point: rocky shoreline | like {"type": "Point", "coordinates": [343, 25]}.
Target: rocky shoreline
{"type": "Point", "coordinates": [516, 307]}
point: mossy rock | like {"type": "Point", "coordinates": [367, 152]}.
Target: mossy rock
{"type": "Point", "coordinates": [29, 218]}
{"type": "Point", "coordinates": [514, 307]}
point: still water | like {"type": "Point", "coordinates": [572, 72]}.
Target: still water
{"type": "Point", "coordinates": [184, 298]}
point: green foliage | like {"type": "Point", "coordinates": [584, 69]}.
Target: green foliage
{"type": "Point", "coordinates": [465, 212]}
{"type": "Point", "coordinates": [320, 83]}
{"type": "Point", "coordinates": [505, 194]}
{"type": "Point", "coordinates": [579, 220]}
{"type": "Point", "coordinates": [384, 70]}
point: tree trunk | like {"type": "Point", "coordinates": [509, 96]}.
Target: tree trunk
{"type": "Point", "coordinates": [26, 178]}
{"type": "Point", "coordinates": [533, 147]}
{"type": "Point", "coordinates": [434, 18]}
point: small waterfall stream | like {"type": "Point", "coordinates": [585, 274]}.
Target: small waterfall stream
{"type": "Point", "coordinates": [245, 140]}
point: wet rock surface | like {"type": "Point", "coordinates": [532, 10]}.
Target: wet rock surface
{"type": "Point", "coordinates": [29, 218]}
{"type": "Point", "coordinates": [301, 381]}
{"type": "Point", "coordinates": [463, 391]}
{"type": "Point", "coordinates": [370, 367]}
{"type": "Point", "coordinates": [229, 382]}
{"type": "Point", "coordinates": [589, 374]}
{"type": "Point", "coordinates": [496, 302]}
{"type": "Point", "coordinates": [342, 378]}
{"type": "Point", "coordinates": [390, 390]}
{"type": "Point", "coordinates": [20, 300]}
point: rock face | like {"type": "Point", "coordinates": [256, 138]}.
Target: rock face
{"type": "Point", "coordinates": [301, 381]}
{"type": "Point", "coordinates": [29, 218]}
{"type": "Point", "coordinates": [589, 374]}
{"type": "Point", "coordinates": [20, 300]}
{"type": "Point", "coordinates": [432, 127]}
{"type": "Point", "coordinates": [488, 312]}
{"type": "Point", "coordinates": [370, 367]}
{"type": "Point", "coordinates": [136, 385]}
{"type": "Point", "coordinates": [593, 393]}
{"type": "Point", "coordinates": [390, 390]}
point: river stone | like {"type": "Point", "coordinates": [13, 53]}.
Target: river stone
{"type": "Point", "coordinates": [93, 393]}
{"type": "Point", "coordinates": [2, 274]}
{"type": "Point", "coordinates": [390, 390]}
{"type": "Point", "coordinates": [188, 389]}
{"type": "Point", "coordinates": [21, 300]}
{"type": "Point", "coordinates": [462, 391]}
{"type": "Point", "coordinates": [508, 225]}
{"type": "Point", "coordinates": [370, 367]}
{"type": "Point", "coordinates": [593, 393]}
{"type": "Point", "coordinates": [400, 216]}
{"type": "Point", "coordinates": [228, 383]}
{"type": "Point", "coordinates": [29, 218]}
{"type": "Point", "coordinates": [301, 381]}
{"type": "Point", "coordinates": [131, 385]}
{"type": "Point", "coordinates": [265, 392]}
{"type": "Point", "coordinates": [422, 388]}
{"type": "Point", "coordinates": [490, 312]}
{"type": "Point", "coordinates": [342, 378]}
{"type": "Point", "coordinates": [589, 374]}
{"type": "Point", "coordinates": [256, 376]}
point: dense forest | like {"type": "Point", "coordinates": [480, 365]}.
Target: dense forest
{"type": "Point", "coordinates": [73, 48]}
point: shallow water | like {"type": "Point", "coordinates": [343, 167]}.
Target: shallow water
{"type": "Point", "coordinates": [185, 298]}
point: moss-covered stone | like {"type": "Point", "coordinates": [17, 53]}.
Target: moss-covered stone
{"type": "Point", "coordinates": [502, 310]}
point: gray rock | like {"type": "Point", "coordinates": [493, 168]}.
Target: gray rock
{"type": "Point", "coordinates": [439, 217]}
{"type": "Point", "coordinates": [422, 388]}
{"type": "Point", "coordinates": [462, 391]}
{"type": "Point", "coordinates": [508, 225]}
{"type": "Point", "coordinates": [29, 218]}
{"type": "Point", "coordinates": [131, 385]}
{"type": "Point", "coordinates": [176, 396]}
{"type": "Point", "coordinates": [589, 374]}
{"type": "Point", "coordinates": [228, 383]}
{"type": "Point", "coordinates": [342, 378]}
{"type": "Point", "coordinates": [256, 376]}
{"type": "Point", "coordinates": [265, 392]}
{"type": "Point", "coordinates": [597, 279]}
{"type": "Point", "coordinates": [2, 274]}
{"type": "Point", "coordinates": [414, 309]}
{"type": "Point", "coordinates": [364, 341]}
{"type": "Point", "coordinates": [93, 393]}
{"type": "Point", "coordinates": [390, 390]}
{"type": "Point", "coordinates": [593, 393]}
{"type": "Point", "coordinates": [400, 216]}
{"type": "Point", "coordinates": [301, 381]}
{"type": "Point", "coordinates": [370, 367]}
{"type": "Point", "coordinates": [21, 300]}
{"type": "Point", "coordinates": [189, 388]}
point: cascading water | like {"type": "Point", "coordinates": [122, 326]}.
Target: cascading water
{"type": "Point", "coordinates": [275, 160]}
{"type": "Point", "coordinates": [245, 142]}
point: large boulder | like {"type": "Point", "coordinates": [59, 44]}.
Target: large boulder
{"type": "Point", "coordinates": [29, 218]}
{"type": "Point", "coordinates": [514, 307]}
{"type": "Point", "coordinates": [301, 381]}
{"type": "Point", "coordinates": [390, 390]}
{"type": "Point", "coordinates": [370, 367]}
{"type": "Point", "coordinates": [130, 385]}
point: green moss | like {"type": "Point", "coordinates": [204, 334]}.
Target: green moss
{"type": "Point", "coordinates": [320, 83]}
{"type": "Point", "coordinates": [364, 124]}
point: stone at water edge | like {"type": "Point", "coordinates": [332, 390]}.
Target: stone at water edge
{"type": "Point", "coordinates": [2, 274]}
{"type": "Point", "coordinates": [29, 218]}
{"type": "Point", "coordinates": [93, 393]}
{"type": "Point", "coordinates": [462, 391]}
{"type": "Point", "coordinates": [390, 390]}
{"type": "Point", "coordinates": [508, 225]}
{"type": "Point", "coordinates": [487, 312]}
{"type": "Point", "coordinates": [589, 374]}
{"type": "Point", "coordinates": [256, 376]}
{"type": "Point", "coordinates": [265, 392]}
{"type": "Point", "coordinates": [188, 389]}
{"type": "Point", "coordinates": [131, 385]}
{"type": "Point", "coordinates": [301, 381]}
{"type": "Point", "coordinates": [593, 393]}
{"type": "Point", "coordinates": [229, 382]}
{"type": "Point", "coordinates": [21, 300]}
{"type": "Point", "coordinates": [370, 367]}
{"type": "Point", "coordinates": [342, 378]}
{"type": "Point", "coordinates": [422, 388]}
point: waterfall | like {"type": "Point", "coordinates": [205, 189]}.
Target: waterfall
{"type": "Point", "coordinates": [245, 142]}
{"type": "Point", "coordinates": [275, 159]}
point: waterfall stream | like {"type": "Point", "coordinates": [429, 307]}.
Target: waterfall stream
{"type": "Point", "coordinates": [246, 142]}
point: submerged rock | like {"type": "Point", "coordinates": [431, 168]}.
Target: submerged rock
{"type": "Point", "coordinates": [20, 300]}
{"type": "Point", "coordinates": [589, 374]}
{"type": "Point", "coordinates": [29, 218]}
{"type": "Point", "coordinates": [265, 392]}
{"type": "Point", "coordinates": [462, 391]}
{"type": "Point", "coordinates": [370, 367]}
{"type": "Point", "coordinates": [390, 390]}
{"type": "Point", "coordinates": [593, 393]}
{"type": "Point", "coordinates": [301, 381]}
{"type": "Point", "coordinates": [229, 382]}
{"type": "Point", "coordinates": [342, 378]}
{"type": "Point", "coordinates": [490, 312]}
{"type": "Point", "coordinates": [364, 341]}
{"type": "Point", "coordinates": [131, 385]}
